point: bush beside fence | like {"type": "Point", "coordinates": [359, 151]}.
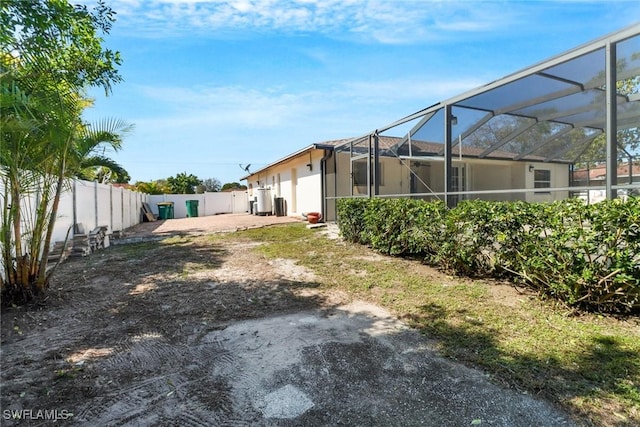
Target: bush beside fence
{"type": "Point", "coordinates": [587, 256]}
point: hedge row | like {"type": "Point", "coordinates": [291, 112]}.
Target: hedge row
{"type": "Point", "coordinates": [585, 255]}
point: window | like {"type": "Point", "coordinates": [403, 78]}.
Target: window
{"type": "Point", "coordinates": [542, 179]}
{"type": "Point", "coordinates": [458, 181]}
{"type": "Point", "coordinates": [458, 178]}
{"type": "Point", "coordinates": [360, 173]}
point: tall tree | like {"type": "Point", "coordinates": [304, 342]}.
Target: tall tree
{"type": "Point", "coordinates": [50, 53]}
{"type": "Point", "coordinates": [233, 186]}
{"type": "Point", "coordinates": [210, 184]}
{"type": "Point", "coordinates": [153, 187]}
{"type": "Point", "coordinates": [183, 183]}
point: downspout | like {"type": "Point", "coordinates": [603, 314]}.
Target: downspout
{"type": "Point", "coordinates": [448, 165]}
{"type": "Point", "coordinates": [611, 122]}
{"type": "Point", "coordinates": [323, 171]}
{"type": "Point", "coordinates": [376, 164]}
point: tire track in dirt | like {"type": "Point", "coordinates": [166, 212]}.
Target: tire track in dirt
{"type": "Point", "coordinates": [134, 333]}
{"type": "Point", "coordinates": [190, 390]}
{"type": "Point", "coordinates": [140, 355]}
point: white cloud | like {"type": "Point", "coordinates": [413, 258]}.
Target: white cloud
{"type": "Point", "coordinates": [335, 111]}
{"type": "Point", "coordinates": [379, 20]}
{"type": "Point", "coordinates": [427, 88]}
{"type": "Point", "coordinates": [226, 106]}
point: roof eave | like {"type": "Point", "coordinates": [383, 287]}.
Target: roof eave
{"type": "Point", "coordinates": [304, 150]}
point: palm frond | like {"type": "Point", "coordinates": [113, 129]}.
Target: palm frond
{"type": "Point", "coordinates": [93, 162]}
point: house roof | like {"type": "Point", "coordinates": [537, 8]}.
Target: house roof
{"type": "Point", "coordinates": [326, 145]}
{"type": "Point", "coordinates": [600, 171]}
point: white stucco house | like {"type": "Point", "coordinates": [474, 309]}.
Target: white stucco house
{"type": "Point", "coordinates": [311, 179]}
{"type": "Point", "coordinates": [516, 138]}
{"type": "Point", "coordinates": [299, 179]}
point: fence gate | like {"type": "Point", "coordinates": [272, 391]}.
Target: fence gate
{"type": "Point", "coordinates": [240, 201]}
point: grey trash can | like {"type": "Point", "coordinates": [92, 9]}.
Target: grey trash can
{"type": "Point", "coordinates": [279, 206]}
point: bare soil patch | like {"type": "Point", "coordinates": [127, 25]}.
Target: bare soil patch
{"type": "Point", "coordinates": [194, 331]}
{"type": "Point", "coordinates": [126, 324]}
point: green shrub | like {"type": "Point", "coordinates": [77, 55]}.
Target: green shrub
{"type": "Point", "coordinates": [482, 238]}
{"type": "Point", "coordinates": [404, 226]}
{"type": "Point", "coordinates": [615, 227]}
{"type": "Point", "coordinates": [350, 218]}
{"type": "Point", "coordinates": [549, 259]}
{"type": "Point", "coordinates": [584, 255]}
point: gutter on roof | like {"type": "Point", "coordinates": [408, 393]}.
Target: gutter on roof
{"type": "Point", "coordinates": [318, 146]}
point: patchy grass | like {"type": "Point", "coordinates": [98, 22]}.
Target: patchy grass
{"type": "Point", "coordinates": [587, 363]}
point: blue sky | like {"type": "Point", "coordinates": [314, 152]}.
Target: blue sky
{"type": "Point", "coordinates": [211, 84]}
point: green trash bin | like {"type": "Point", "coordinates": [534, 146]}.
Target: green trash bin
{"type": "Point", "coordinates": [165, 210]}
{"type": "Point", "coordinates": [192, 208]}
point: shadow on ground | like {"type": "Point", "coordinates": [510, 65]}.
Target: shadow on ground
{"type": "Point", "coordinates": [190, 332]}
{"type": "Point", "coordinates": [546, 377]}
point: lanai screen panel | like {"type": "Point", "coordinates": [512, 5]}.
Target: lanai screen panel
{"type": "Point", "coordinates": [342, 157]}
{"type": "Point", "coordinates": [535, 114]}
{"type": "Point", "coordinates": [510, 96]}
{"type": "Point", "coordinates": [628, 55]}
{"type": "Point", "coordinates": [554, 113]}
{"type": "Point", "coordinates": [353, 168]}
{"type": "Point", "coordinates": [628, 115]}
{"type": "Point", "coordinates": [430, 132]}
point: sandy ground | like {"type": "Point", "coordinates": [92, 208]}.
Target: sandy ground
{"type": "Point", "coordinates": [206, 224]}
{"type": "Point", "coordinates": [198, 334]}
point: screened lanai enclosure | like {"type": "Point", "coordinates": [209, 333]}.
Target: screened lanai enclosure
{"type": "Point", "coordinates": [535, 135]}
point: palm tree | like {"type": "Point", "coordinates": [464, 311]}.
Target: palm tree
{"type": "Point", "coordinates": [50, 52]}
{"type": "Point", "coordinates": [43, 143]}
{"type": "Point", "coordinates": [84, 141]}
{"type": "Point", "coordinates": [34, 132]}
{"type": "Point", "coordinates": [91, 161]}
{"type": "Point", "coordinates": [153, 187]}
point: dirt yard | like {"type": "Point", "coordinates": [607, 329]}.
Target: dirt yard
{"type": "Point", "coordinates": [113, 320]}
{"type": "Point", "coordinates": [189, 332]}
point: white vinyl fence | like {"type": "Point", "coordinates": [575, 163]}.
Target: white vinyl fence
{"type": "Point", "coordinates": [98, 205]}
{"type": "Point", "coordinates": [85, 205]}
{"type": "Point", "coordinates": [208, 203]}
{"type": "Point", "coordinates": [90, 205]}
